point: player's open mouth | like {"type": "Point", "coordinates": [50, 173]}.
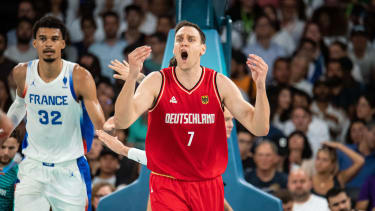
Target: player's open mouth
{"type": "Point", "coordinates": [184, 55]}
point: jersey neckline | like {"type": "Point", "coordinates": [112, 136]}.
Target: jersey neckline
{"type": "Point", "coordinates": [195, 87]}
{"type": "Point", "coordinates": [62, 72]}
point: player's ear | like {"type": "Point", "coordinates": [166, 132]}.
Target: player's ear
{"type": "Point", "coordinates": [34, 43]}
{"type": "Point", "coordinates": [203, 51]}
{"type": "Point", "coordinates": [63, 44]}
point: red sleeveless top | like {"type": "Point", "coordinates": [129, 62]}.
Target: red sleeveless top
{"type": "Point", "coordinates": [186, 136]}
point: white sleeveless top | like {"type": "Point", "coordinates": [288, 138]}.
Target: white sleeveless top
{"type": "Point", "coordinates": [58, 127]}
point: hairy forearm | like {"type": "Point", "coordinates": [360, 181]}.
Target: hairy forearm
{"type": "Point", "coordinates": [124, 106]}
{"type": "Point", "coordinates": [260, 119]}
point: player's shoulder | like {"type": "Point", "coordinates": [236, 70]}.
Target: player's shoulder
{"type": "Point", "coordinates": [80, 73]}
{"type": "Point", "coordinates": [154, 77]}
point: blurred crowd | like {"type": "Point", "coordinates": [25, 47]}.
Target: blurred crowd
{"type": "Point", "coordinates": [321, 58]}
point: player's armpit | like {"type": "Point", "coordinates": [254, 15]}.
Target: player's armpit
{"type": "Point", "coordinates": [84, 86]}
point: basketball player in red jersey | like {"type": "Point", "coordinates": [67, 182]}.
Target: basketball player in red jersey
{"type": "Point", "coordinates": [186, 140]}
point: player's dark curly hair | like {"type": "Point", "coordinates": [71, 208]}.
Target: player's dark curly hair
{"type": "Point", "coordinates": [50, 22]}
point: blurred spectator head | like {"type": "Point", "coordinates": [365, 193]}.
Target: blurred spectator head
{"type": "Point", "coordinates": [110, 24]}
{"type": "Point", "coordinates": [334, 69]}
{"type": "Point", "coordinates": [301, 118]}
{"type": "Point", "coordinates": [365, 108]}
{"type": "Point", "coordinates": [88, 26]}
{"type": "Point", "coordinates": [301, 99]}
{"type": "Point", "coordinates": [91, 63]}
{"type": "Point", "coordinates": [326, 161]}
{"type": "Point", "coordinates": [337, 50]}
{"type": "Point", "coordinates": [338, 200]}
{"type": "Point", "coordinates": [164, 24]}
{"type": "Point", "coordinates": [312, 32]}
{"type": "Point", "coordinates": [9, 149]}
{"type": "Point", "coordinates": [370, 137]}
{"type": "Point", "coordinates": [298, 67]}
{"type": "Point", "coordinates": [228, 121]}
{"type": "Point", "coordinates": [356, 132]}
{"type": "Point", "coordinates": [157, 42]}
{"type": "Point", "coordinates": [359, 38]}
{"type": "Point", "coordinates": [134, 16]}
{"type": "Point", "coordinates": [286, 199]}
{"type": "Point", "coordinates": [109, 161]}
{"type": "Point", "coordinates": [3, 43]}
{"type": "Point", "coordinates": [238, 66]}
{"type": "Point", "coordinates": [24, 31]}
{"type": "Point", "coordinates": [299, 184]}
{"type": "Point", "coordinates": [161, 7]}
{"type": "Point", "coordinates": [263, 27]}
{"type": "Point", "coordinates": [321, 91]}
{"type": "Point", "coordinates": [299, 147]}
{"type": "Point", "coordinates": [26, 9]}
{"type": "Point", "coordinates": [245, 142]}
{"type": "Point", "coordinates": [289, 9]}
{"type": "Point", "coordinates": [265, 155]}
{"type": "Point", "coordinates": [95, 150]}
{"type": "Point", "coordinates": [104, 87]}
{"type": "Point", "coordinates": [284, 98]}
{"type": "Point", "coordinates": [107, 105]}
{"type": "Point", "coordinates": [307, 48]}
{"type": "Point", "coordinates": [86, 8]}
{"type": "Point", "coordinates": [281, 70]}
{"type": "Point", "coordinates": [98, 191]}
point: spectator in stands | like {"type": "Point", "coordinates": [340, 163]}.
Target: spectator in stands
{"type": "Point", "coordinates": [165, 24]}
{"type": "Point", "coordinates": [93, 155]}
{"type": "Point", "coordinates": [322, 108]}
{"type": "Point", "coordinates": [286, 199]}
{"type": "Point", "coordinates": [263, 46]}
{"type": "Point", "coordinates": [245, 142]}
{"type": "Point", "coordinates": [299, 184]}
{"type": "Point", "coordinates": [299, 153]}
{"type": "Point", "coordinates": [265, 176]}
{"type": "Point", "coordinates": [315, 129]}
{"type": "Point", "coordinates": [362, 54]}
{"type": "Point", "coordinates": [338, 200]}
{"type": "Point", "coordinates": [111, 48]}
{"type": "Point", "coordinates": [299, 67]}
{"type": "Point", "coordinates": [26, 9]}
{"type": "Point", "coordinates": [109, 165]}
{"type": "Point", "coordinates": [327, 174]}
{"type": "Point", "coordinates": [355, 133]}
{"type": "Point", "coordinates": [157, 42]}
{"type": "Point", "coordinates": [366, 148]}
{"type": "Point", "coordinates": [365, 109]}
{"type": "Point", "coordinates": [6, 65]}
{"type": "Point", "coordinates": [366, 198]}
{"type": "Point", "coordinates": [292, 18]}
{"type": "Point", "coordinates": [98, 191]}
{"type": "Point", "coordinates": [57, 9]}
{"type": "Point", "coordinates": [282, 107]}
{"type": "Point", "coordinates": [23, 51]}
{"type": "Point", "coordinates": [149, 22]}
{"type": "Point", "coordinates": [280, 72]}
{"type": "Point", "coordinates": [133, 17]}
{"type": "Point", "coordinates": [88, 27]}
{"type": "Point", "coordinates": [92, 64]}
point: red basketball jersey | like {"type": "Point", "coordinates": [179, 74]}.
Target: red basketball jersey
{"type": "Point", "coordinates": [186, 135]}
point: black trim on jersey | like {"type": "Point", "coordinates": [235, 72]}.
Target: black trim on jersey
{"type": "Point", "coordinates": [161, 88]}
{"type": "Point", "coordinates": [217, 91]}
{"type": "Point", "coordinates": [174, 72]}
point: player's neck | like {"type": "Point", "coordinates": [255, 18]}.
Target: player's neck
{"type": "Point", "coordinates": [49, 70]}
{"type": "Point", "coordinates": [189, 77]}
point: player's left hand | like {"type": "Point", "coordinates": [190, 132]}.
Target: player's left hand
{"type": "Point", "coordinates": [258, 69]}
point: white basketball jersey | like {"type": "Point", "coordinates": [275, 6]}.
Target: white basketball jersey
{"type": "Point", "coordinates": [58, 128]}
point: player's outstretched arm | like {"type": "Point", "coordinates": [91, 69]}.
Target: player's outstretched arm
{"type": "Point", "coordinates": [117, 146]}
{"type": "Point", "coordinates": [84, 87]}
{"type": "Point", "coordinates": [129, 105]}
{"type": "Point", "coordinates": [255, 119]}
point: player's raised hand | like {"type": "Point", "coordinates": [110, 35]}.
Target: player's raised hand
{"type": "Point", "coordinates": [136, 59]}
{"type": "Point", "coordinates": [122, 70]}
{"type": "Point", "coordinates": [258, 69]}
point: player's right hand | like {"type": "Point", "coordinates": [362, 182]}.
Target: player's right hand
{"type": "Point", "coordinates": [136, 59]}
{"type": "Point", "coordinates": [109, 125]}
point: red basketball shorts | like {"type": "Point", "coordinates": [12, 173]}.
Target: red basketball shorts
{"type": "Point", "coordinates": [176, 195]}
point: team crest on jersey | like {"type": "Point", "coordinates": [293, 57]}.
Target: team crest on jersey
{"type": "Point", "coordinates": [205, 99]}
{"type": "Point", "coordinates": [65, 80]}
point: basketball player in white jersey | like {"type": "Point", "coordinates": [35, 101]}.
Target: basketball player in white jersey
{"type": "Point", "coordinates": [62, 109]}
